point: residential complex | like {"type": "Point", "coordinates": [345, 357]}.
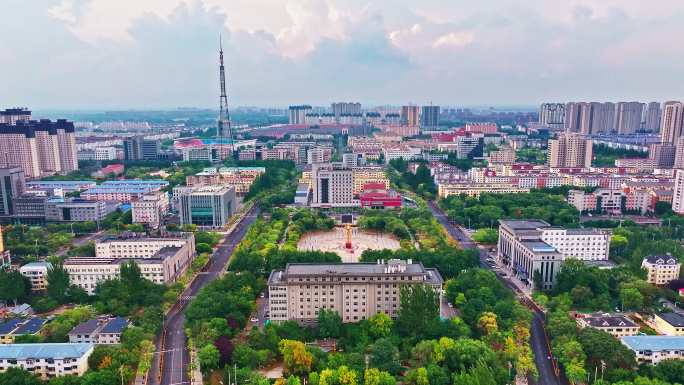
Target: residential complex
{"type": "Point", "coordinates": [661, 269]}
{"type": "Point", "coordinates": [356, 291]}
{"type": "Point", "coordinates": [669, 324]}
{"type": "Point", "coordinates": [47, 360]}
{"type": "Point", "coordinates": [39, 148]}
{"type": "Point", "coordinates": [12, 328]}
{"type": "Point", "coordinates": [534, 250]}
{"type": "Point", "coordinates": [570, 150]}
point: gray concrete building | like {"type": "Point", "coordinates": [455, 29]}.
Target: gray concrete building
{"type": "Point", "coordinates": [207, 206]}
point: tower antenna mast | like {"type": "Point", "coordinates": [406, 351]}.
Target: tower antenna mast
{"type": "Point", "coordinates": [223, 130]}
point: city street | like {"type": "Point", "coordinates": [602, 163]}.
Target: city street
{"type": "Point", "coordinates": [538, 338]}
{"type": "Point", "coordinates": [172, 346]}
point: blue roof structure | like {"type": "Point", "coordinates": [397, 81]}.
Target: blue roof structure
{"type": "Point", "coordinates": [44, 351]}
{"type": "Point", "coordinates": [31, 326]}
{"type": "Point", "coordinates": [7, 326]}
{"type": "Point", "coordinates": [131, 182]}
{"type": "Point", "coordinates": [115, 325]}
{"type": "Point", "coordinates": [654, 343]}
{"type": "Point", "coordinates": [59, 182]}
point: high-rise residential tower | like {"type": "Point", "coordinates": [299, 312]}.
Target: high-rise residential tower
{"type": "Point", "coordinates": [629, 117]}
{"type": "Point", "coordinates": [671, 121]}
{"type": "Point", "coordinates": [570, 150]}
{"type": "Point", "coordinates": [345, 108]}
{"type": "Point", "coordinates": [298, 114]}
{"type": "Point", "coordinates": [410, 115]}
{"type": "Point", "coordinates": [552, 115]}
{"type": "Point", "coordinates": [429, 116]}
{"type": "Point", "coordinates": [651, 118]}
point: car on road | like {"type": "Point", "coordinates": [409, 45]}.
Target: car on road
{"type": "Point", "coordinates": [450, 304]}
{"type": "Point", "coordinates": [254, 319]}
{"type": "Point", "coordinates": [262, 295]}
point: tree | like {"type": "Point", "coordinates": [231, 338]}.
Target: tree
{"type": "Point", "coordinates": [209, 357]}
{"type": "Point", "coordinates": [601, 346]}
{"type": "Point", "coordinates": [13, 286]}
{"type": "Point", "coordinates": [384, 356]}
{"type": "Point", "coordinates": [631, 299]}
{"type": "Point", "coordinates": [58, 284]}
{"type": "Point", "coordinates": [486, 236]}
{"type": "Point", "coordinates": [16, 376]}
{"type": "Point", "coordinates": [374, 376]}
{"type": "Point", "coordinates": [225, 348]}
{"type": "Point", "coordinates": [417, 376]}
{"type": "Point", "coordinates": [380, 325]}
{"type": "Point", "coordinates": [203, 248]}
{"type": "Point", "coordinates": [480, 374]}
{"type": "Point", "coordinates": [329, 323]}
{"type": "Point", "coordinates": [419, 306]}
{"type": "Point", "coordinates": [296, 357]}
{"type": "Point", "coordinates": [487, 323]}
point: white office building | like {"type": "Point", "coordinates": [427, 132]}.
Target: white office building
{"type": "Point", "coordinates": [47, 360]}
{"type": "Point", "coordinates": [36, 272]}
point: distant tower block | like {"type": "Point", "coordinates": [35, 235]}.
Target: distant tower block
{"type": "Point", "coordinates": [348, 230]}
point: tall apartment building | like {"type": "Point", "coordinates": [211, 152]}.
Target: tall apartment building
{"type": "Point", "coordinates": [297, 114]}
{"type": "Point", "coordinates": [356, 291]}
{"type": "Point", "coordinates": [662, 154]}
{"type": "Point", "coordinates": [671, 121]}
{"type": "Point", "coordinates": [570, 150]}
{"type": "Point", "coordinates": [150, 208]}
{"type": "Point", "coordinates": [139, 148]}
{"type": "Point", "coordinates": [12, 186]}
{"type": "Point", "coordinates": [47, 360]}
{"type": "Point", "coordinates": [572, 117]}
{"type": "Point", "coordinates": [207, 206]}
{"type": "Point", "coordinates": [679, 153]}
{"type": "Point", "coordinates": [429, 116]}
{"type": "Point", "coordinates": [13, 115]}
{"type": "Point", "coordinates": [533, 247]}
{"type": "Point", "coordinates": [651, 118]}
{"type": "Point", "coordinates": [345, 108]}
{"type": "Point", "coordinates": [552, 115]}
{"type": "Point", "coordinates": [629, 117]}
{"type": "Point", "coordinates": [38, 147]}
{"type": "Point", "coordinates": [410, 115]}
{"type": "Point", "coordinates": [678, 193]}
{"type": "Point", "coordinates": [332, 185]}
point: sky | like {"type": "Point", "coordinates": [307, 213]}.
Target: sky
{"type": "Point", "coordinates": [114, 54]}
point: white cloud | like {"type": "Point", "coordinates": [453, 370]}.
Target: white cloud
{"type": "Point", "coordinates": [454, 39]}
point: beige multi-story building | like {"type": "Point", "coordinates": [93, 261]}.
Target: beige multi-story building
{"type": "Point", "coordinates": [410, 115]}
{"type": "Point", "coordinates": [671, 121]}
{"type": "Point", "coordinates": [332, 185]}
{"type": "Point", "coordinates": [505, 155]}
{"type": "Point", "coordinates": [472, 189]}
{"type": "Point", "coordinates": [661, 269]}
{"type": "Point", "coordinates": [654, 349]}
{"type": "Point", "coordinates": [570, 150]}
{"type": "Point", "coordinates": [150, 208]}
{"type": "Point", "coordinates": [617, 325]}
{"type": "Point", "coordinates": [160, 260]}
{"type": "Point", "coordinates": [669, 324]}
{"type": "Point", "coordinates": [362, 175]}
{"type": "Point", "coordinates": [47, 360]}
{"type": "Point", "coordinates": [37, 273]}
{"type": "Point", "coordinates": [356, 291]}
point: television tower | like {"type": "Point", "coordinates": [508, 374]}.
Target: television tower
{"type": "Point", "coordinates": [223, 129]}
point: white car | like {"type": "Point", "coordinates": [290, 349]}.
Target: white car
{"type": "Point", "coordinates": [449, 304]}
{"type": "Point", "coordinates": [254, 319]}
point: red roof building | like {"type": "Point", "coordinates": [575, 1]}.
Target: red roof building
{"type": "Point", "coordinates": [376, 196]}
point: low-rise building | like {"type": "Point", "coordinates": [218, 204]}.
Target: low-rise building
{"type": "Point", "coordinates": [47, 360]}
{"type": "Point", "coordinates": [661, 269]}
{"type": "Point", "coordinates": [77, 210]}
{"type": "Point", "coordinates": [669, 324]}
{"type": "Point", "coordinates": [15, 327]}
{"type": "Point", "coordinates": [532, 248]}
{"type": "Point", "coordinates": [617, 325]}
{"type": "Point", "coordinates": [474, 190]}
{"type": "Point", "coordinates": [653, 349]}
{"type": "Point", "coordinates": [150, 208]}
{"type": "Point", "coordinates": [160, 260]}
{"type": "Point", "coordinates": [377, 196]}
{"type": "Point", "coordinates": [356, 291]}
{"type": "Point", "coordinates": [103, 331]}
{"type": "Point", "coordinates": [37, 273]}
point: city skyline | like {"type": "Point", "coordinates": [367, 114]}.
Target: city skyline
{"type": "Point", "coordinates": [99, 54]}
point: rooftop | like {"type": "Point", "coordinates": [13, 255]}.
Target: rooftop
{"type": "Point", "coordinates": [31, 326]}
{"type": "Point", "coordinates": [86, 327]}
{"type": "Point", "coordinates": [115, 325]}
{"type": "Point", "coordinates": [7, 326]}
{"type": "Point", "coordinates": [674, 319]}
{"type": "Point", "coordinates": [37, 265]}
{"type": "Point", "coordinates": [608, 320]}
{"type": "Point", "coordinates": [654, 343]}
{"type": "Point", "coordinates": [43, 351]}
{"type": "Point", "coordinates": [351, 268]}
{"type": "Point", "coordinates": [524, 224]}
{"type": "Point", "coordinates": [539, 246]}
{"type": "Point", "coordinates": [663, 259]}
